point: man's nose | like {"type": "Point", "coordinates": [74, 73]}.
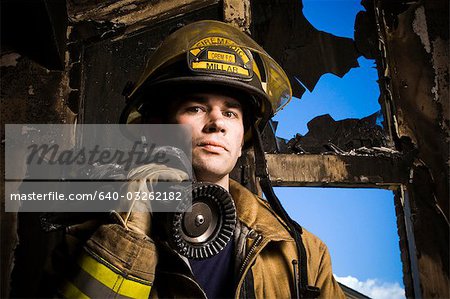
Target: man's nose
{"type": "Point", "coordinates": [216, 121]}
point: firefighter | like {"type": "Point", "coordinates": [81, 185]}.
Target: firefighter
{"type": "Point", "coordinates": [219, 81]}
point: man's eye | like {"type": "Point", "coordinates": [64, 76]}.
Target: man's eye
{"type": "Point", "coordinates": [230, 114]}
{"type": "Point", "coordinates": [194, 109]}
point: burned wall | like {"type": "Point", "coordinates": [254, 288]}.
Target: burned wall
{"type": "Point", "coordinates": [30, 93]}
{"type": "Point", "coordinates": [415, 60]}
{"type": "Point", "coordinates": [34, 89]}
{"type": "Point", "coordinates": [418, 57]}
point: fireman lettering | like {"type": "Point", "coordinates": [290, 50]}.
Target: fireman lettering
{"type": "Point", "coordinates": [220, 67]}
{"type": "Point", "coordinates": [221, 56]}
{"type": "Point", "coordinates": [212, 41]}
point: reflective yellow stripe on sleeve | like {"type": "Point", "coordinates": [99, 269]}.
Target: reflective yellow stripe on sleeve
{"type": "Point", "coordinates": [70, 291]}
{"type": "Point", "coordinates": [113, 280]}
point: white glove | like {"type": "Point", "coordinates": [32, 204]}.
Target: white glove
{"type": "Point", "coordinates": [140, 179]}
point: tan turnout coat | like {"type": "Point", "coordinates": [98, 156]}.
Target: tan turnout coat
{"type": "Point", "coordinates": [263, 247]}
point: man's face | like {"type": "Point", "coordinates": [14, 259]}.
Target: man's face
{"type": "Point", "coordinates": [217, 133]}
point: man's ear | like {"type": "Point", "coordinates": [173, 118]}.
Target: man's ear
{"type": "Point", "coordinates": [240, 149]}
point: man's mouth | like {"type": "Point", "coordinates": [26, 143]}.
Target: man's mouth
{"type": "Point", "coordinates": [212, 145]}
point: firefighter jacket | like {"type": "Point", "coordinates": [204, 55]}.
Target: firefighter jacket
{"type": "Point", "coordinates": [119, 263]}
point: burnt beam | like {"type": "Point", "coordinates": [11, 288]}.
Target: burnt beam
{"type": "Point", "coordinates": [290, 170]}
{"type": "Point", "coordinates": [119, 19]}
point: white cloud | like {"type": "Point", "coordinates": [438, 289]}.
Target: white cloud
{"type": "Point", "coordinates": [374, 288]}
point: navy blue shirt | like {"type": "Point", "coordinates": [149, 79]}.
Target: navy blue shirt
{"type": "Point", "coordinates": [216, 274]}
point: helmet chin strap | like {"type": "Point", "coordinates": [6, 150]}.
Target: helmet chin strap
{"type": "Point", "coordinates": [303, 290]}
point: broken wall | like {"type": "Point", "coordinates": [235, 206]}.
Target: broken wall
{"type": "Point", "coordinates": [415, 79]}
{"type": "Point", "coordinates": [31, 92]}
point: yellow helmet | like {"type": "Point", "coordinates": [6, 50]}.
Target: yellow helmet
{"type": "Point", "coordinates": [210, 54]}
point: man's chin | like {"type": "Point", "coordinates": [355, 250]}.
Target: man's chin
{"type": "Point", "coordinates": [212, 166]}
{"type": "Point", "coordinates": [209, 160]}
{"type": "Point", "coordinates": [209, 173]}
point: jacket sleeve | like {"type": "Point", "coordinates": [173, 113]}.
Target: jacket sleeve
{"type": "Point", "coordinates": [329, 288]}
{"type": "Point", "coordinates": [113, 263]}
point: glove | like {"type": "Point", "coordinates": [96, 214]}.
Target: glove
{"type": "Point", "coordinates": [142, 179]}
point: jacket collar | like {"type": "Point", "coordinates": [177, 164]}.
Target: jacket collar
{"type": "Point", "coordinates": [256, 213]}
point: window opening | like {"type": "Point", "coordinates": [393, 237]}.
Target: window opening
{"type": "Point", "coordinates": [342, 111]}
{"type": "Point", "coordinates": [360, 230]}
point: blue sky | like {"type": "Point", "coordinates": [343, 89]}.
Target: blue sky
{"type": "Point", "coordinates": [358, 225]}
